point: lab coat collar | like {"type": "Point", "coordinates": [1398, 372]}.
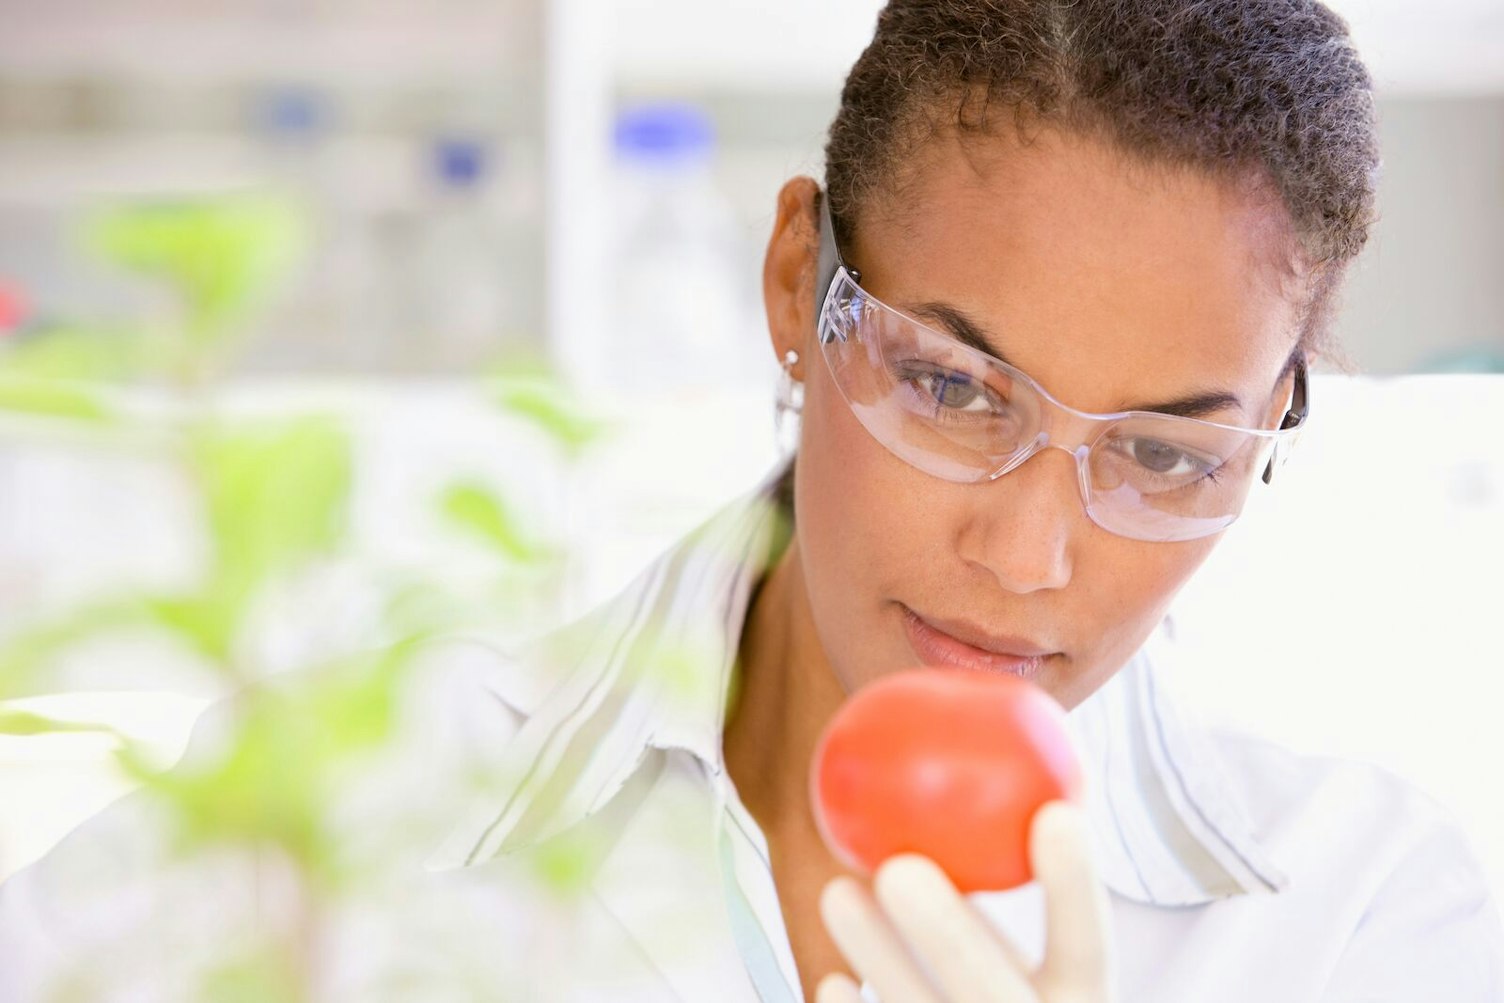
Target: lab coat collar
{"type": "Point", "coordinates": [650, 671]}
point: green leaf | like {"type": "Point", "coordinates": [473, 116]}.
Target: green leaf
{"type": "Point", "coordinates": [26, 723]}
{"type": "Point", "coordinates": [421, 606]}
{"type": "Point", "coordinates": [27, 654]}
{"type": "Point", "coordinates": [354, 705]}
{"type": "Point", "coordinates": [546, 403]}
{"type": "Point", "coordinates": [562, 867]}
{"type": "Point", "coordinates": [266, 974]}
{"type": "Point", "coordinates": [220, 255]}
{"type": "Point", "coordinates": [68, 353]}
{"type": "Point", "coordinates": [52, 399]}
{"type": "Point", "coordinates": [481, 511]}
{"type": "Point", "coordinates": [206, 622]}
{"type": "Point", "coordinates": [277, 495]}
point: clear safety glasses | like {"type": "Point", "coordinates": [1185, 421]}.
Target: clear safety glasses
{"type": "Point", "coordinates": [965, 416]}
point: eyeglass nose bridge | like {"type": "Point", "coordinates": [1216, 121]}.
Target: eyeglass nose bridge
{"type": "Point", "coordinates": [1087, 430]}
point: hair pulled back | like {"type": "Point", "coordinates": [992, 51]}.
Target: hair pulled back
{"type": "Point", "coordinates": [1271, 90]}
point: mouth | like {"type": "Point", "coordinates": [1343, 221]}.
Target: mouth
{"type": "Point", "coordinates": [936, 644]}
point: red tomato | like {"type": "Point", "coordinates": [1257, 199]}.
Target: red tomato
{"type": "Point", "coordinates": [948, 763]}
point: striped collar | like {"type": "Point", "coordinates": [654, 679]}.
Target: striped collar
{"type": "Point", "coordinates": [651, 670]}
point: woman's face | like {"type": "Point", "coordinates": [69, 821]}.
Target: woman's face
{"type": "Point", "coordinates": [1113, 285]}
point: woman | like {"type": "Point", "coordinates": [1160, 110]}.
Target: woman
{"type": "Point", "coordinates": [1143, 207]}
{"type": "Point", "coordinates": [1036, 218]}
{"type": "Point", "coordinates": [1111, 228]}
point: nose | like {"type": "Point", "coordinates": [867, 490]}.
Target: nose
{"type": "Point", "coordinates": [1019, 528]}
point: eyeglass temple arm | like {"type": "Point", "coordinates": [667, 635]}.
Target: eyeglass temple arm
{"type": "Point", "coordinates": [1299, 409]}
{"type": "Point", "coordinates": [829, 261]}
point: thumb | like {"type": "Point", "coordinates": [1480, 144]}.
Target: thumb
{"type": "Point", "coordinates": [1078, 950]}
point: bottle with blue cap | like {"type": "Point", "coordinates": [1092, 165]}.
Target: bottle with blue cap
{"type": "Point", "coordinates": [464, 307]}
{"type": "Point", "coordinates": [682, 294]}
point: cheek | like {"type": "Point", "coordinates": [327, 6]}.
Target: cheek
{"type": "Point", "coordinates": [1124, 593]}
{"type": "Point", "coordinates": [840, 481]}
{"type": "Point", "coordinates": [1141, 583]}
{"type": "Point", "coordinates": [846, 478]}
{"type": "Point", "coordinates": [859, 519]}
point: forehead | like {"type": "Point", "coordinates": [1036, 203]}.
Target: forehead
{"type": "Point", "coordinates": [1106, 278]}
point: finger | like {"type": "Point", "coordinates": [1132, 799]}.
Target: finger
{"type": "Point", "coordinates": [837, 988]}
{"type": "Point", "coordinates": [967, 957]}
{"type": "Point", "coordinates": [1077, 942]}
{"type": "Point", "coordinates": [870, 945]}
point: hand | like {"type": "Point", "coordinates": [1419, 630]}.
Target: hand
{"type": "Point", "coordinates": [922, 942]}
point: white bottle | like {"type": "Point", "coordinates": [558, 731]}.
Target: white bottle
{"type": "Point", "coordinates": [463, 292]}
{"type": "Point", "coordinates": [681, 304]}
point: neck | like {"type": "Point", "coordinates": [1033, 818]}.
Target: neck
{"type": "Point", "coordinates": [788, 692]}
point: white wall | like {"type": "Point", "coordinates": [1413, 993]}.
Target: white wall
{"type": "Point", "coordinates": [1429, 284]}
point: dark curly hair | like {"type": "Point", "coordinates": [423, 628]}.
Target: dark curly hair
{"type": "Point", "coordinates": [1268, 90]}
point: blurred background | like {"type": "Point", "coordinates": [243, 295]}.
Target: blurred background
{"type": "Point", "coordinates": [471, 172]}
{"type": "Point", "coordinates": [326, 321]}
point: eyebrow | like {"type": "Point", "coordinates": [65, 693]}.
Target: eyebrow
{"type": "Point", "coordinates": [966, 331]}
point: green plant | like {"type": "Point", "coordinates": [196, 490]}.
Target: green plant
{"type": "Point", "coordinates": [273, 497]}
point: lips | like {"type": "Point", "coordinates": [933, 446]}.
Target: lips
{"type": "Point", "coordinates": [948, 643]}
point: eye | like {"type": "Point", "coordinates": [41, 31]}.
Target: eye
{"type": "Point", "coordinates": [950, 389]}
{"type": "Point", "coordinates": [1166, 459]}
{"type": "Point", "coordinates": [955, 391]}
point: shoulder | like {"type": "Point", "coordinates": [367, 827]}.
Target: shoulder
{"type": "Point", "coordinates": [1313, 806]}
{"type": "Point", "coordinates": [1384, 862]}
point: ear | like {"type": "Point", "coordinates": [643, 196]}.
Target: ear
{"type": "Point", "coordinates": [788, 272]}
